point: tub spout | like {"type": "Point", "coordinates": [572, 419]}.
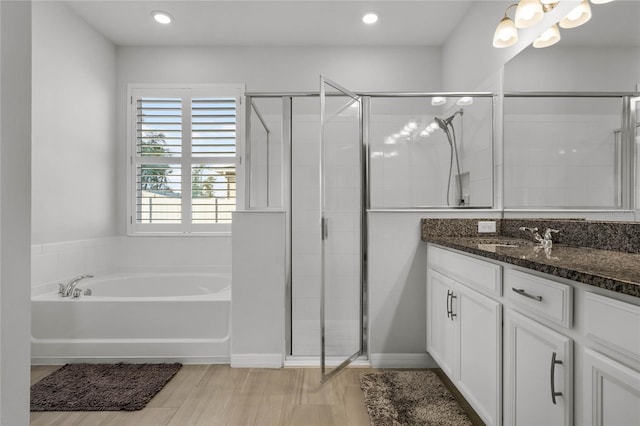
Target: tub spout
{"type": "Point", "coordinates": [68, 288]}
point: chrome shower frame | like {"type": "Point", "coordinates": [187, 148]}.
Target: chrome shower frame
{"type": "Point", "coordinates": [287, 98]}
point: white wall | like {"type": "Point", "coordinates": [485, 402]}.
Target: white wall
{"type": "Point", "coordinates": [73, 159]}
{"type": "Point", "coordinates": [15, 212]}
{"type": "Point", "coordinates": [258, 307]}
{"type": "Point", "coordinates": [574, 68]}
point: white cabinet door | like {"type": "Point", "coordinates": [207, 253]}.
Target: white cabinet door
{"type": "Point", "coordinates": [611, 392]}
{"type": "Point", "coordinates": [538, 373]}
{"type": "Point", "coordinates": [478, 348]}
{"type": "Point", "coordinates": [440, 324]}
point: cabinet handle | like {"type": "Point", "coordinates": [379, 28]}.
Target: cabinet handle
{"type": "Point", "coordinates": [449, 294]}
{"type": "Point", "coordinates": [452, 314]}
{"type": "Point", "coordinates": [522, 292]}
{"type": "Point", "coordinates": [554, 361]}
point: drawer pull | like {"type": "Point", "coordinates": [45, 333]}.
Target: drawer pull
{"type": "Point", "coordinates": [521, 292]}
{"type": "Point", "coordinates": [554, 361]}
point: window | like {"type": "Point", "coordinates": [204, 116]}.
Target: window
{"type": "Point", "coordinates": [183, 158]}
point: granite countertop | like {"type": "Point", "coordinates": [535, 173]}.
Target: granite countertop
{"type": "Point", "coordinates": [609, 269]}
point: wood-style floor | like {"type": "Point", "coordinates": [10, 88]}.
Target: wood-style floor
{"type": "Point", "coordinates": [219, 395]}
{"type": "Point", "coordinates": [214, 395]}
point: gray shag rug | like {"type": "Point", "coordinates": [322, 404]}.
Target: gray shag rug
{"type": "Point", "coordinates": [407, 398]}
{"type": "Point", "coordinates": [101, 387]}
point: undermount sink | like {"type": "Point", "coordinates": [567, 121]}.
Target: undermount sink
{"type": "Point", "coordinates": [503, 242]}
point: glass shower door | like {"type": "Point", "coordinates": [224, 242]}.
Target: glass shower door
{"type": "Point", "coordinates": [341, 204]}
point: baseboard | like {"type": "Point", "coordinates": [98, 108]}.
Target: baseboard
{"type": "Point", "coordinates": [133, 360]}
{"type": "Point", "coordinates": [402, 360]}
{"type": "Point", "coordinates": [314, 362]}
{"type": "Point", "coordinates": [257, 360]}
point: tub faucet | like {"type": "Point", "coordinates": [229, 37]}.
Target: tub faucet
{"type": "Point", "coordinates": [67, 289]}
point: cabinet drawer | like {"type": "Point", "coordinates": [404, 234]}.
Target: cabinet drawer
{"type": "Point", "coordinates": [614, 324]}
{"type": "Point", "coordinates": [477, 274]}
{"type": "Point", "coordinates": [539, 296]}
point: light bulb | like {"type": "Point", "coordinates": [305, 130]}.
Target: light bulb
{"type": "Point", "coordinates": [578, 16]}
{"type": "Point", "coordinates": [438, 100]}
{"type": "Point", "coordinates": [506, 33]}
{"type": "Point", "coordinates": [548, 38]}
{"type": "Point", "coordinates": [528, 13]}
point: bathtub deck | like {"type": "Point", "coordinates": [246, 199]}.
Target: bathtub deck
{"type": "Point", "coordinates": [220, 395]}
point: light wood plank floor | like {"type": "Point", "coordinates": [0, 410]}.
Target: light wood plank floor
{"type": "Point", "coordinates": [220, 395]}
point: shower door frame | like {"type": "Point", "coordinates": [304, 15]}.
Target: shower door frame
{"type": "Point", "coordinates": [287, 146]}
{"type": "Point", "coordinates": [362, 209]}
{"type": "Point", "coordinates": [287, 195]}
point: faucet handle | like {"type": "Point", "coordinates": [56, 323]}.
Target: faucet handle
{"type": "Point", "coordinates": [61, 288]}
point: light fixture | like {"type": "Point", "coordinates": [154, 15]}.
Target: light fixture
{"type": "Point", "coordinates": [578, 16]}
{"type": "Point", "coordinates": [506, 33]}
{"type": "Point", "coordinates": [465, 100]}
{"type": "Point", "coordinates": [548, 38]}
{"type": "Point", "coordinates": [438, 100]}
{"type": "Point", "coordinates": [370, 18]}
{"type": "Point", "coordinates": [528, 13]}
{"type": "Point", "coordinates": [162, 17]}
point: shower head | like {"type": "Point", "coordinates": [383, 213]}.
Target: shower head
{"type": "Point", "coordinates": [444, 123]}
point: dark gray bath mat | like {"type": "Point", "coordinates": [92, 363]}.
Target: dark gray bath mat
{"type": "Point", "coordinates": [407, 398]}
{"type": "Point", "coordinates": [101, 387]}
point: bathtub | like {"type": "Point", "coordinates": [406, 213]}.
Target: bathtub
{"type": "Point", "coordinates": [169, 317]}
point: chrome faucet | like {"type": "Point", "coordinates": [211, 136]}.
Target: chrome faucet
{"type": "Point", "coordinates": [67, 290]}
{"type": "Point", "coordinates": [534, 231]}
{"type": "Point", "coordinates": [547, 240]}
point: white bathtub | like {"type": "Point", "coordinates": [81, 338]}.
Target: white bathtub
{"type": "Point", "coordinates": [173, 317]}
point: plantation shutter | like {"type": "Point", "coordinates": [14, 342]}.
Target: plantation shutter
{"type": "Point", "coordinates": [213, 148]}
{"type": "Point", "coordinates": [158, 171]}
{"type": "Point", "coordinates": [183, 159]}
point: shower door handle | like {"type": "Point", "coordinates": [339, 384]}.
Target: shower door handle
{"type": "Point", "coordinates": [324, 228]}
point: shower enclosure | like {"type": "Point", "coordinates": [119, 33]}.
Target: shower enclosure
{"type": "Point", "coordinates": [326, 159]}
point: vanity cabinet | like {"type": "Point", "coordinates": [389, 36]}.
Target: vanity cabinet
{"type": "Point", "coordinates": [538, 365]}
{"type": "Point", "coordinates": [464, 329]}
{"type": "Point", "coordinates": [611, 366]}
{"type": "Point", "coordinates": [440, 324]}
{"type": "Point", "coordinates": [569, 353]}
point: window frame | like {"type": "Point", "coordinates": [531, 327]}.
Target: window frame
{"type": "Point", "coordinates": [186, 227]}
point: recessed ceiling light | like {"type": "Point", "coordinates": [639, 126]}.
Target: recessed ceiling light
{"type": "Point", "coordinates": [370, 18]}
{"type": "Point", "coordinates": [162, 17]}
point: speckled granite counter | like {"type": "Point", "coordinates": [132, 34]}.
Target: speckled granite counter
{"type": "Point", "coordinates": [617, 271]}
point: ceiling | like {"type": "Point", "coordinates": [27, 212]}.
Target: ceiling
{"type": "Point", "coordinates": [274, 23]}
{"type": "Point", "coordinates": [322, 23]}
